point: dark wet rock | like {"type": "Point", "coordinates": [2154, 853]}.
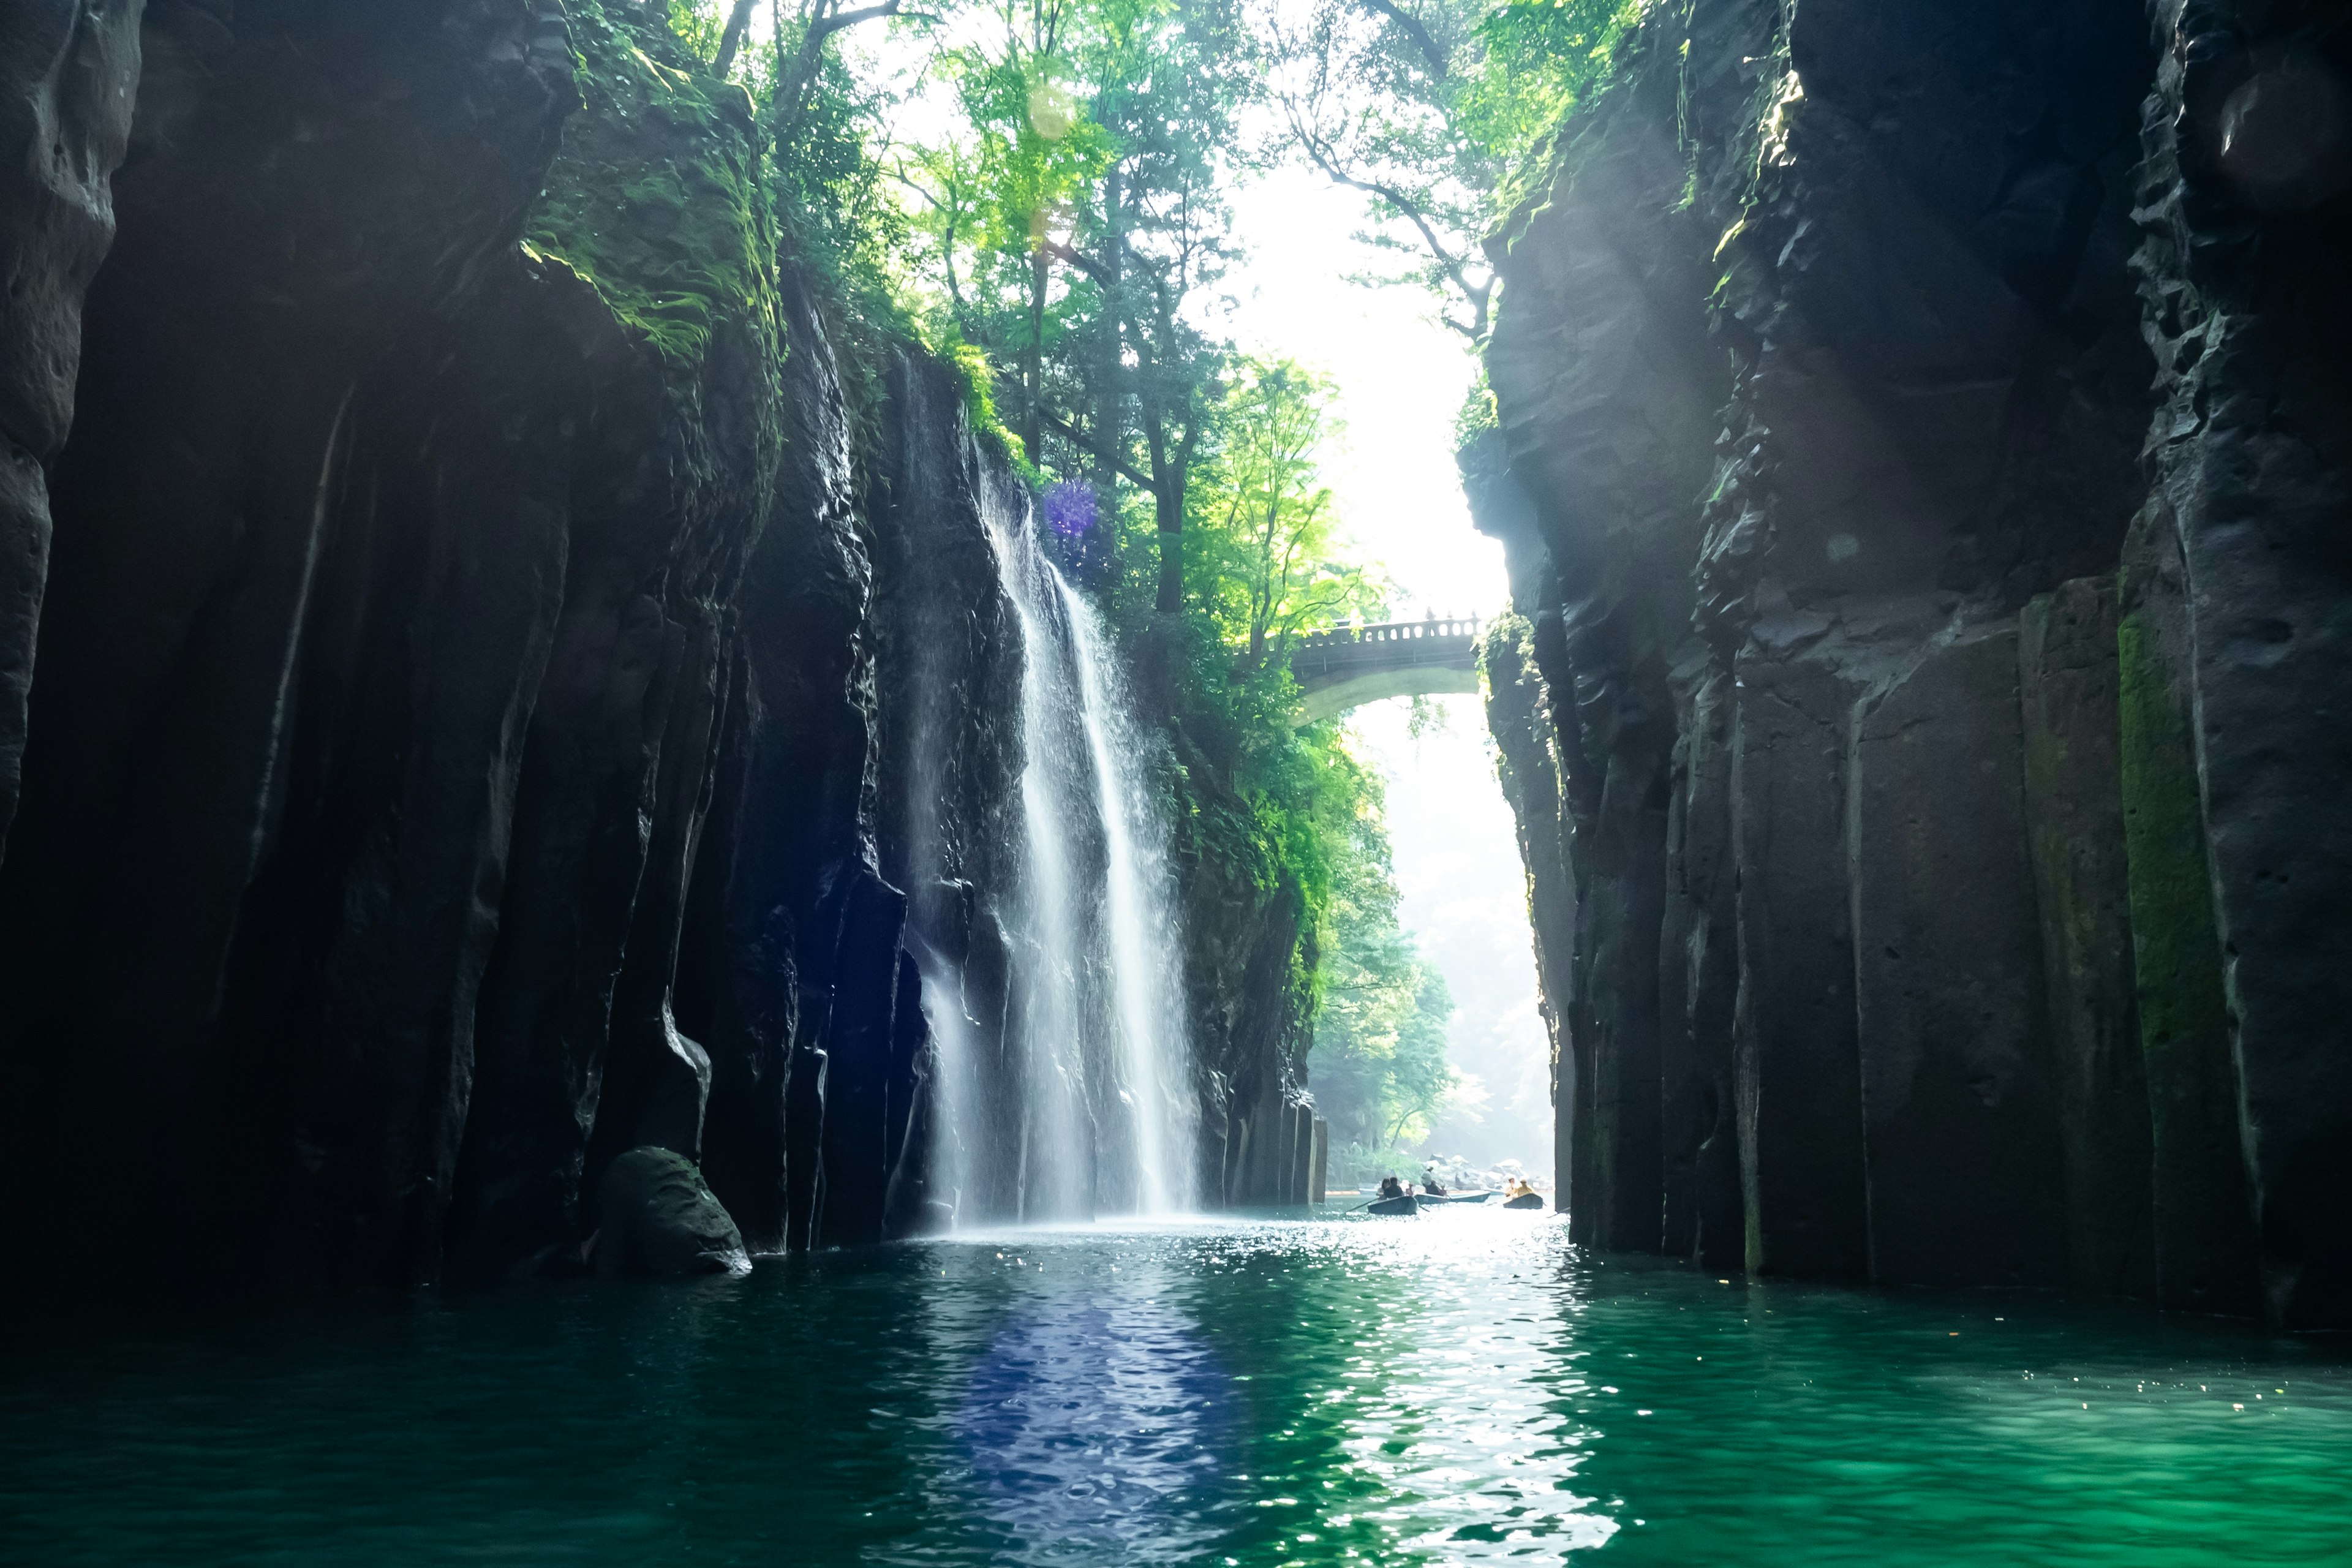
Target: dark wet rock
{"type": "Point", "coordinates": [2203, 1213]}
{"type": "Point", "coordinates": [1960, 1122]}
{"type": "Point", "coordinates": [495, 625]}
{"type": "Point", "coordinates": [655, 1214]}
{"type": "Point", "coordinates": [2245, 200]}
{"type": "Point", "coordinates": [2031, 828]}
{"type": "Point", "coordinates": [2074, 782]}
{"type": "Point", "coordinates": [1699, 980]}
{"type": "Point", "coordinates": [1795, 1031]}
{"type": "Point", "coordinates": [1517, 715]}
{"type": "Point", "coordinates": [68, 78]}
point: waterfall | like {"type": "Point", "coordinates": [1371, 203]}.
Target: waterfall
{"type": "Point", "coordinates": [1055, 1162]}
{"type": "Point", "coordinates": [1154, 1056]}
{"type": "Point", "coordinates": [1086, 1106]}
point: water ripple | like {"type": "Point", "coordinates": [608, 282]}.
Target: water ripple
{"type": "Point", "coordinates": [1461, 1388]}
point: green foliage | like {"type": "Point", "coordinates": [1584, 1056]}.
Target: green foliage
{"type": "Point", "coordinates": [654, 198]}
{"type": "Point", "coordinates": [979, 381]}
{"type": "Point", "coordinates": [1478, 413]}
{"type": "Point", "coordinates": [1381, 1070]}
{"type": "Point", "coordinates": [1262, 549]}
{"type": "Point", "coordinates": [695, 24]}
{"type": "Point", "coordinates": [1054, 239]}
{"type": "Point", "coordinates": [1540, 57]}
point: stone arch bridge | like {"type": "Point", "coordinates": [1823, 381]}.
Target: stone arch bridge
{"type": "Point", "coordinates": [1348, 666]}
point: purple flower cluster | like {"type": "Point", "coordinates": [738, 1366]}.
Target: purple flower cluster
{"type": "Point", "coordinates": [1070, 509]}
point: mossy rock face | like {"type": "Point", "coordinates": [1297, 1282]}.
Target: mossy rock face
{"type": "Point", "coordinates": [2205, 1256]}
{"type": "Point", "coordinates": [2066, 670]}
{"type": "Point", "coordinates": [654, 199]}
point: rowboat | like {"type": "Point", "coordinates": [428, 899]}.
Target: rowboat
{"type": "Point", "coordinates": [1405, 1204]}
{"type": "Point", "coordinates": [1525, 1201]}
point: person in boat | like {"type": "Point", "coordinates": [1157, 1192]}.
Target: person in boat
{"type": "Point", "coordinates": [1431, 1184]}
{"type": "Point", "coordinates": [1390, 1188]}
{"type": "Point", "coordinates": [1517, 1188]}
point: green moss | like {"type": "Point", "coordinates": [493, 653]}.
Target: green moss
{"type": "Point", "coordinates": [2205, 1231]}
{"type": "Point", "coordinates": [654, 199]}
{"type": "Point", "coordinates": [2177, 947]}
{"type": "Point", "coordinates": [969, 363]}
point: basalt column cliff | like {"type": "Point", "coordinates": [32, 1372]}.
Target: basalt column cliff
{"type": "Point", "coordinates": [497, 689]}
{"type": "Point", "coordinates": [1924, 435]}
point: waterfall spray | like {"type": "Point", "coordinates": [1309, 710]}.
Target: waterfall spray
{"type": "Point", "coordinates": [1086, 1108]}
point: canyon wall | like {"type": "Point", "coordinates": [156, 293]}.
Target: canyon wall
{"type": "Point", "coordinates": [1922, 455]}
{"type": "Point", "coordinates": [519, 678]}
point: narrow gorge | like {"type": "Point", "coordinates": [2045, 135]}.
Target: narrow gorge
{"type": "Point", "coordinates": [495, 676]}
{"type": "Point", "coordinates": [1921, 445]}
{"type": "Point", "coordinates": [710, 851]}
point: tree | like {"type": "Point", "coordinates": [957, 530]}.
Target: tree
{"type": "Point", "coordinates": [1378, 1066]}
{"type": "Point", "coordinates": [1267, 518]}
{"type": "Point", "coordinates": [1091, 152]}
{"type": "Point", "coordinates": [1430, 108]}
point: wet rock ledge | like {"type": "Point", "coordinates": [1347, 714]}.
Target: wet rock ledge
{"type": "Point", "coordinates": [1923, 457]}
{"type": "Point", "coordinates": [467, 625]}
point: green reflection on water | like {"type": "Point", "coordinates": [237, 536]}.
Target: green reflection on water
{"type": "Point", "coordinates": [1463, 1387]}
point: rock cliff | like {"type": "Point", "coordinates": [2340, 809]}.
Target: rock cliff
{"type": "Point", "coordinates": [507, 694]}
{"type": "Point", "coordinates": [1922, 455]}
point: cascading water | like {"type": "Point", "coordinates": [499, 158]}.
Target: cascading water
{"type": "Point", "coordinates": [1154, 1055]}
{"type": "Point", "coordinates": [1084, 1105]}
{"type": "Point", "coordinates": [1050, 982]}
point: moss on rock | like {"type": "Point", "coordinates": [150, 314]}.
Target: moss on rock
{"type": "Point", "coordinates": [2205, 1255]}
{"type": "Point", "coordinates": [654, 199]}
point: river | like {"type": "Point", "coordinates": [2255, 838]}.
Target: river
{"type": "Point", "coordinates": [1463, 1387]}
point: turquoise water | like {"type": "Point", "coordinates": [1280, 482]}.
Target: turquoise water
{"type": "Point", "coordinates": [1463, 1387]}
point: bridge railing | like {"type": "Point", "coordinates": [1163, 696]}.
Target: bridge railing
{"type": "Point", "coordinates": [1350, 635]}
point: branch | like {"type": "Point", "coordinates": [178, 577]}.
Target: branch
{"type": "Point", "coordinates": [827, 26]}
{"type": "Point", "coordinates": [1455, 269]}
{"type": "Point", "coordinates": [1069, 432]}
{"type": "Point", "coordinates": [1411, 29]}
{"type": "Point", "coordinates": [1082, 261]}
{"type": "Point", "coordinates": [813, 47]}
{"type": "Point", "coordinates": [738, 22]}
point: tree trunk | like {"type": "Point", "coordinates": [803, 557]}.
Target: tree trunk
{"type": "Point", "coordinates": [1168, 510]}
{"type": "Point", "coordinates": [1033, 356]}
{"type": "Point", "coordinates": [1111, 371]}
{"type": "Point", "coordinates": [738, 22]}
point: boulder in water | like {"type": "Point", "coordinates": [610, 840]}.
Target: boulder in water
{"type": "Point", "coordinates": [655, 1214]}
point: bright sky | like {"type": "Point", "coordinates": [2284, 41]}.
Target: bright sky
{"type": "Point", "coordinates": [1402, 378]}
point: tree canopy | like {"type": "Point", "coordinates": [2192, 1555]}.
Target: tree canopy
{"type": "Point", "coordinates": [1037, 189]}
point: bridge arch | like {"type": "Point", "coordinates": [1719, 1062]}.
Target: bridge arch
{"type": "Point", "coordinates": [1348, 666]}
{"type": "Point", "coordinates": [1424, 680]}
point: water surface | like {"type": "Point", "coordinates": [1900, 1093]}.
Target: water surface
{"type": "Point", "coordinates": [1464, 1388]}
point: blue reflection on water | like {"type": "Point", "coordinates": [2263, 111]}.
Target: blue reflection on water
{"type": "Point", "coordinates": [1094, 1427]}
